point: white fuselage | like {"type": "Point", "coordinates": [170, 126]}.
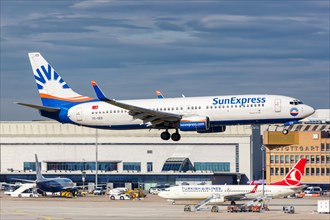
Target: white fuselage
{"type": "Point", "coordinates": [221, 110]}
{"type": "Point", "coordinates": [201, 192]}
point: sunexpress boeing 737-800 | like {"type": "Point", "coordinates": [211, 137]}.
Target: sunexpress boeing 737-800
{"type": "Point", "coordinates": [201, 114]}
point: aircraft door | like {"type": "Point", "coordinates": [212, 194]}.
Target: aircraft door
{"type": "Point", "coordinates": [277, 105]}
{"type": "Point", "coordinates": [79, 114]}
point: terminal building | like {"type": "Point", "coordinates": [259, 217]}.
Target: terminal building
{"type": "Point", "coordinates": [139, 158]}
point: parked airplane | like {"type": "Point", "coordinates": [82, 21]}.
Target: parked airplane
{"type": "Point", "coordinates": [289, 185]}
{"type": "Point", "coordinates": [53, 185]}
{"type": "Point", "coordinates": [202, 114]}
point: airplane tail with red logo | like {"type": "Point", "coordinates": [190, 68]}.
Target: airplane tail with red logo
{"type": "Point", "coordinates": [294, 177]}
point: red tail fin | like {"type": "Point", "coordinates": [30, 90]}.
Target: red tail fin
{"type": "Point", "coordinates": [254, 189]}
{"type": "Point", "coordinates": [294, 177]}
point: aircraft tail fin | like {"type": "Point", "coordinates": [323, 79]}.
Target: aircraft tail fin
{"type": "Point", "coordinates": [53, 90]}
{"type": "Point", "coordinates": [38, 170]}
{"type": "Point", "coordinates": [294, 177]}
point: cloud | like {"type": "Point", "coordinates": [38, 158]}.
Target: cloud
{"type": "Point", "coordinates": [135, 47]}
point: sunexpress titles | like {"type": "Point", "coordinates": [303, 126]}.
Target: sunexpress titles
{"type": "Point", "coordinates": [239, 101]}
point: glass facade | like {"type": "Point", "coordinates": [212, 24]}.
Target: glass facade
{"type": "Point", "coordinates": [106, 166]}
{"type": "Point", "coordinates": [213, 166]}
{"type": "Point", "coordinates": [136, 166]}
{"type": "Point", "coordinates": [178, 164]}
{"type": "Point", "coordinates": [30, 166]}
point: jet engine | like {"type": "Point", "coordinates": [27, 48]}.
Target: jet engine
{"type": "Point", "coordinates": [194, 123]}
{"type": "Point", "coordinates": [215, 129]}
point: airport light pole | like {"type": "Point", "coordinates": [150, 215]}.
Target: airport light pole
{"type": "Point", "coordinates": [263, 148]}
{"type": "Point", "coordinates": [83, 177]}
{"type": "Point", "coordinates": [96, 156]}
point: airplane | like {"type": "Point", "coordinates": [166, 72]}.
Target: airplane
{"type": "Point", "coordinates": [209, 114]}
{"type": "Point", "coordinates": [54, 185]}
{"type": "Point", "coordinates": [289, 185]}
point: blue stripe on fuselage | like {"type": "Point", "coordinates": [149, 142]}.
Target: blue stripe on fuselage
{"type": "Point", "coordinates": [213, 123]}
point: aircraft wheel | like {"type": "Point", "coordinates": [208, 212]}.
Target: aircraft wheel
{"type": "Point", "coordinates": [122, 198]}
{"type": "Point", "coordinates": [232, 203]}
{"type": "Point", "coordinates": [165, 135]}
{"type": "Point", "coordinates": [112, 198]}
{"type": "Point", "coordinates": [187, 208]}
{"type": "Point", "coordinates": [19, 195]}
{"type": "Point", "coordinates": [285, 131]}
{"type": "Point", "coordinates": [215, 208]}
{"type": "Point", "coordinates": [176, 136]}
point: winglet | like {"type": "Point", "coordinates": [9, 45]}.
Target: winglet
{"type": "Point", "coordinates": [98, 91]}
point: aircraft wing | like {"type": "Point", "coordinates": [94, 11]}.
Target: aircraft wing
{"type": "Point", "coordinates": [24, 180]}
{"type": "Point", "coordinates": [151, 117]}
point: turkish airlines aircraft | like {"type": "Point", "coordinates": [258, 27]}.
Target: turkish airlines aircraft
{"type": "Point", "coordinates": [201, 114]}
{"type": "Point", "coordinates": [289, 185]}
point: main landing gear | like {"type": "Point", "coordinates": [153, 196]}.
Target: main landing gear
{"type": "Point", "coordinates": [166, 135]}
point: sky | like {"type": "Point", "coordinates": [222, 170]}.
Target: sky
{"type": "Point", "coordinates": [195, 48]}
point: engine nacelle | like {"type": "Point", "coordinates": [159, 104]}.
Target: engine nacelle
{"type": "Point", "coordinates": [195, 123]}
{"type": "Point", "coordinates": [215, 129]}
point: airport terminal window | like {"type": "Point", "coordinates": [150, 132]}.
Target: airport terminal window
{"type": "Point", "coordinates": [317, 159]}
{"type": "Point", "coordinates": [282, 159]}
{"type": "Point", "coordinates": [312, 158]}
{"type": "Point", "coordinates": [277, 171]}
{"type": "Point", "coordinates": [271, 158]}
{"type": "Point", "coordinates": [213, 166]}
{"type": "Point", "coordinates": [276, 159]}
{"type": "Point", "coordinates": [282, 171]}
{"type": "Point", "coordinates": [30, 166]}
{"type": "Point", "coordinates": [328, 147]}
{"type": "Point", "coordinates": [327, 159]}
{"type": "Point", "coordinates": [322, 159]}
{"type": "Point", "coordinates": [307, 158]}
{"type": "Point", "coordinates": [317, 172]}
{"type": "Point", "coordinates": [149, 167]}
{"type": "Point", "coordinates": [297, 158]}
{"type": "Point", "coordinates": [73, 166]}
{"type": "Point", "coordinates": [322, 147]}
{"type": "Point", "coordinates": [287, 159]}
{"type": "Point", "coordinates": [307, 171]}
{"type": "Point", "coordinates": [322, 171]}
{"type": "Point", "coordinates": [328, 171]}
{"type": "Point", "coordinates": [312, 172]}
{"type": "Point", "coordinates": [272, 171]}
{"type": "Point", "coordinates": [132, 166]}
{"type": "Point", "coordinates": [291, 159]}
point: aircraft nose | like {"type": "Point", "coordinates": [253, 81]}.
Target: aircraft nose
{"type": "Point", "coordinates": [309, 110]}
{"type": "Point", "coordinates": [161, 194]}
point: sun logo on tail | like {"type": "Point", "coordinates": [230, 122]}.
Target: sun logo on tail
{"type": "Point", "coordinates": [294, 177]}
{"type": "Point", "coordinates": [49, 75]}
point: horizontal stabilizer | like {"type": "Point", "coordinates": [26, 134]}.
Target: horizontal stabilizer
{"type": "Point", "coordinates": [44, 108]}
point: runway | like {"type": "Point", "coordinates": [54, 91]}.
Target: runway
{"type": "Point", "coordinates": [152, 207]}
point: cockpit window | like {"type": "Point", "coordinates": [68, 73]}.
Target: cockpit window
{"type": "Point", "coordinates": [296, 102]}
